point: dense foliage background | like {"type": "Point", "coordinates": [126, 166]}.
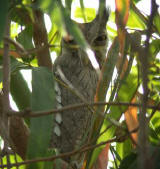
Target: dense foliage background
{"type": "Point", "coordinates": [130, 78]}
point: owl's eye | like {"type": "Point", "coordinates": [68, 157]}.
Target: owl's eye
{"type": "Point", "coordinates": [71, 41]}
{"type": "Point", "coordinates": [101, 38]}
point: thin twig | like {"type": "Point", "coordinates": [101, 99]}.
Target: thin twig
{"type": "Point", "coordinates": [114, 158]}
{"type": "Point", "coordinates": [18, 46]}
{"type": "Point", "coordinates": [29, 113]}
{"type": "Point", "coordinates": [16, 161]}
{"type": "Point", "coordinates": [82, 149]}
{"type": "Point", "coordinates": [52, 158]}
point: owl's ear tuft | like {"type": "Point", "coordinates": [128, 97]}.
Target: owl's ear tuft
{"type": "Point", "coordinates": [103, 14]}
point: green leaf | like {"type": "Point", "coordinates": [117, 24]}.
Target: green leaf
{"type": "Point", "coordinates": [14, 29]}
{"type": "Point", "coordinates": [13, 159]}
{"type": "Point", "coordinates": [22, 14]}
{"type": "Point", "coordinates": [47, 5]}
{"type": "Point", "coordinates": [156, 21]}
{"type": "Point", "coordinates": [124, 148]}
{"type": "Point", "coordinates": [134, 21]}
{"type": "Point", "coordinates": [41, 127]}
{"type": "Point", "coordinates": [68, 4]}
{"type": "Point", "coordinates": [4, 4]}
{"type": "Point", "coordinates": [129, 162]}
{"type": "Point", "coordinates": [154, 129]}
{"type": "Point", "coordinates": [112, 149]}
{"type": "Point", "coordinates": [125, 94]}
{"type": "Point", "coordinates": [16, 65]}
{"type": "Point", "coordinates": [136, 1]}
{"type": "Point", "coordinates": [54, 37]}
{"type": "Point", "coordinates": [43, 89]}
{"type": "Point", "coordinates": [111, 32]}
{"type": "Point", "coordinates": [18, 84]}
{"type": "Point", "coordinates": [49, 164]}
{"type": "Point", "coordinates": [155, 47]}
{"type": "Point", "coordinates": [20, 91]}
{"type": "Point", "coordinates": [89, 13]}
{"type": "Point", "coordinates": [25, 38]}
{"type": "Point", "coordinates": [153, 137]}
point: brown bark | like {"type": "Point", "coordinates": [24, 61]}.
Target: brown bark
{"type": "Point", "coordinates": [19, 134]}
{"type": "Point", "coordinates": [41, 39]}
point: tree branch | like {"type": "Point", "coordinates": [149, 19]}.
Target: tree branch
{"type": "Point", "coordinates": [82, 149]}
{"type": "Point", "coordinates": [41, 39]}
{"type": "Point", "coordinates": [4, 122]}
{"type": "Point", "coordinates": [29, 113]}
{"type": "Point", "coordinates": [6, 88]}
{"type": "Point", "coordinates": [52, 158]}
{"type": "Point", "coordinates": [143, 159]}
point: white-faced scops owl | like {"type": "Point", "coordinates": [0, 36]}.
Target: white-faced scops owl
{"type": "Point", "coordinates": [76, 82]}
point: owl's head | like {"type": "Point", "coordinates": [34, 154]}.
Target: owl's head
{"type": "Point", "coordinates": [95, 35]}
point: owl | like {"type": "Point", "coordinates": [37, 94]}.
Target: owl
{"type": "Point", "coordinates": [76, 81]}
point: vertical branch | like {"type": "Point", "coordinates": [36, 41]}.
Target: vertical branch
{"type": "Point", "coordinates": [144, 161]}
{"type": "Point", "coordinates": [41, 39]}
{"type": "Point", "coordinates": [6, 89]}
{"type": "Point", "coordinates": [6, 70]}
{"type": "Point", "coordinates": [6, 86]}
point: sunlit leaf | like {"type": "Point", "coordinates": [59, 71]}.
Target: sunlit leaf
{"type": "Point", "coordinates": [111, 32]}
{"type": "Point", "coordinates": [153, 135]}
{"type": "Point", "coordinates": [154, 124]}
{"type": "Point", "coordinates": [89, 13]}
{"type": "Point", "coordinates": [157, 22]}
{"type": "Point", "coordinates": [124, 148]}
{"type": "Point", "coordinates": [134, 21]}
{"type": "Point", "coordinates": [47, 5]}
{"type": "Point", "coordinates": [13, 159]}
{"type": "Point", "coordinates": [54, 37]}
{"type": "Point", "coordinates": [155, 47]}
{"type": "Point", "coordinates": [14, 29]}
{"type": "Point", "coordinates": [136, 1]}
{"type": "Point", "coordinates": [139, 14]}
